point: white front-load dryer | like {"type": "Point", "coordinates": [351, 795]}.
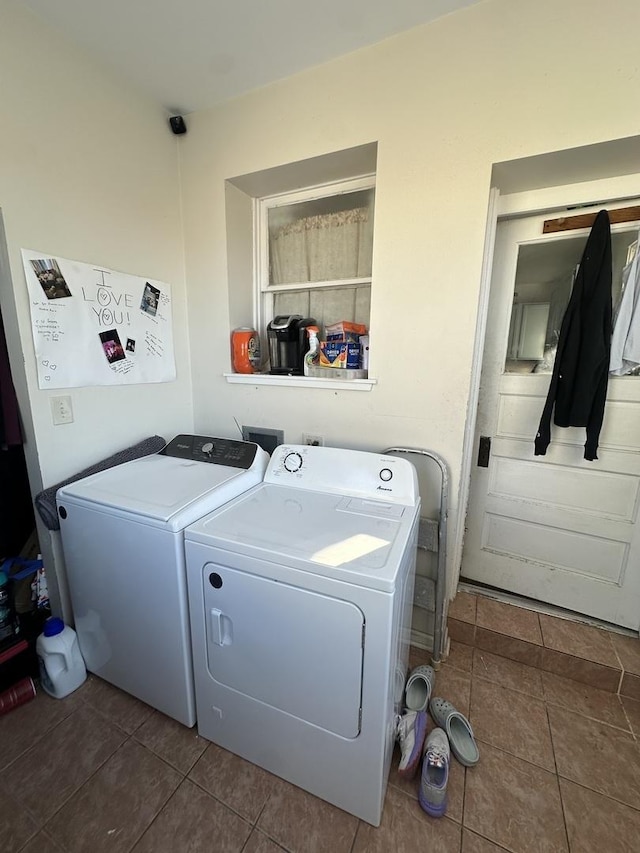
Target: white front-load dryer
{"type": "Point", "coordinates": [300, 594]}
{"type": "Point", "coordinates": [123, 541]}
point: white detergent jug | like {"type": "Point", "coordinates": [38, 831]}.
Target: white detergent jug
{"type": "Point", "coordinates": [62, 668]}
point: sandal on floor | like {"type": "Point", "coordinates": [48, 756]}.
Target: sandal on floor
{"type": "Point", "coordinates": [458, 729]}
{"type": "Point", "coordinates": [418, 690]}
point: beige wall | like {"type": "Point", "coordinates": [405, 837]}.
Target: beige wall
{"type": "Point", "coordinates": [87, 171]}
{"type": "Point", "coordinates": [498, 81]}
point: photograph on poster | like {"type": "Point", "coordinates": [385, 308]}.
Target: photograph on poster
{"type": "Point", "coordinates": [150, 299]}
{"type": "Point", "coordinates": [112, 346]}
{"type": "Point", "coordinates": [51, 279]}
{"type": "Point", "coordinates": [131, 345]}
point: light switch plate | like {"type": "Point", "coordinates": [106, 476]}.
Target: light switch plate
{"type": "Point", "coordinates": [61, 410]}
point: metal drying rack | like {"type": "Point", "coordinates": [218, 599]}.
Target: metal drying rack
{"type": "Point", "coordinates": [432, 536]}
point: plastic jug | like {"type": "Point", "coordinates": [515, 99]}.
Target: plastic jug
{"type": "Point", "coordinates": [62, 668]}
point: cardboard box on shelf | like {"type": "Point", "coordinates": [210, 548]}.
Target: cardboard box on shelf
{"type": "Point", "coordinates": [339, 354]}
{"type": "Point", "coordinates": [345, 331]}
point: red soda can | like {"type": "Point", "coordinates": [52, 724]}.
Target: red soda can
{"type": "Point", "coordinates": [23, 691]}
{"type": "Point", "coordinates": [245, 350]}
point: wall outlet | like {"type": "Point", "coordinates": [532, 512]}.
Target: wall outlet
{"type": "Point", "coordinates": [313, 439]}
{"type": "Point", "coordinates": [61, 410]}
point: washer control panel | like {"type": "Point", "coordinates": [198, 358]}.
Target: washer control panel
{"type": "Point", "coordinates": [218, 451]}
{"type": "Point", "coordinates": [344, 472]}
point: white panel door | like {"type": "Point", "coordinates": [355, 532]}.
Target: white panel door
{"type": "Point", "coordinates": [555, 528]}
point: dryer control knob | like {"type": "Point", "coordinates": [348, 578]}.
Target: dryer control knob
{"type": "Point", "coordinates": [386, 474]}
{"type": "Point", "coordinates": [292, 462]}
{"type": "Point", "coordinates": [207, 448]}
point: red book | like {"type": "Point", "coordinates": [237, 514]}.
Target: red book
{"type": "Point", "coordinates": [14, 650]}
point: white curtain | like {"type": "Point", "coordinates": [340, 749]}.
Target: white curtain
{"type": "Point", "coordinates": [328, 247]}
{"type": "Point", "coordinates": [327, 304]}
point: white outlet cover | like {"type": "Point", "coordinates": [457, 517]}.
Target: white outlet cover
{"type": "Point", "coordinates": [61, 410]}
{"type": "Point", "coordinates": [313, 439]}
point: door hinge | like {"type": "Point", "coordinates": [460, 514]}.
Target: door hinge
{"type": "Point", "coordinates": [484, 451]}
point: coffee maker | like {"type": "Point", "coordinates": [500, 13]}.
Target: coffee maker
{"type": "Point", "coordinates": [288, 343]}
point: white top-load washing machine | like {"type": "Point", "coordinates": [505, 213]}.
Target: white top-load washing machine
{"type": "Point", "coordinates": [122, 536]}
{"type": "Point", "coordinates": [300, 594]}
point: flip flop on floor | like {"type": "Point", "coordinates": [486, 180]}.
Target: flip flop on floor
{"type": "Point", "coordinates": [419, 686]}
{"type": "Point", "coordinates": [458, 729]}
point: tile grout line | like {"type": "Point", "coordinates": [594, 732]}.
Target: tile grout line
{"type": "Point", "coordinates": [624, 711]}
{"type": "Point", "coordinates": [505, 687]}
{"type": "Point", "coordinates": [619, 690]}
{"type": "Point", "coordinates": [56, 844]}
{"type": "Point", "coordinates": [518, 757]}
{"type": "Point", "coordinates": [583, 660]}
{"type": "Point", "coordinates": [464, 797]}
{"type": "Point", "coordinates": [600, 794]}
{"type": "Point", "coordinates": [355, 835]}
{"type": "Point", "coordinates": [617, 654]}
{"type": "Point", "coordinates": [46, 732]}
{"type": "Point", "coordinates": [622, 669]}
{"type": "Point", "coordinates": [184, 773]}
{"type": "Point", "coordinates": [30, 839]}
{"type": "Point", "coordinates": [226, 805]}
{"type": "Point", "coordinates": [555, 704]}
{"type": "Point", "coordinates": [79, 788]}
{"type": "Point", "coordinates": [542, 668]}
{"type": "Point", "coordinates": [128, 738]}
{"type": "Point", "coordinates": [490, 840]}
{"type": "Point", "coordinates": [564, 814]}
{"type": "Point", "coordinates": [157, 814]}
{"type": "Point", "coordinates": [586, 787]}
{"type": "Point", "coordinates": [544, 644]}
{"type": "Point", "coordinates": [564, 708]}
{"type": "Point", "coordinates": [553, 748]}
{"type": "Point", "coordinates": [543, 698]}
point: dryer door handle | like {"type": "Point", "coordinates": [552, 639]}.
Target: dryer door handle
{"type": "Point", "coordinates": [221, 628]}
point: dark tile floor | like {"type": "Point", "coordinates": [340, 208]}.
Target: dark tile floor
{"type": "Point", "coordinates": [593, 656]}
{"type": "Point", "coordinates": [100, 771]}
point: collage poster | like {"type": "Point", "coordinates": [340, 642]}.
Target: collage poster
{"type": "Point", "coordinates": [96, 326]}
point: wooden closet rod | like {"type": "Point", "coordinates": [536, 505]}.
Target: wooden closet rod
{"type": "Point", "coordinates": [586, 220]}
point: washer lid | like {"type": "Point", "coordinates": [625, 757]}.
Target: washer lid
{"type": "Point", "coordinates": [352, 539]}
{"type": "Point", "coordinates": [159, 487]}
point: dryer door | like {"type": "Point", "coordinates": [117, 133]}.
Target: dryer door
{"type": "Point", "coordinates": [293, 649]}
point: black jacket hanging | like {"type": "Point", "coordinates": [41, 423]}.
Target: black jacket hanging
{"type": "Point", "coordinates": [581, 371]}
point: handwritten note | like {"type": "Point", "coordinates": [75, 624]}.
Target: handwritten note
{"type": "Point", "coordinates": [96, 326]}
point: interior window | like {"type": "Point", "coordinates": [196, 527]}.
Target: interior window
{"type": "Point", "coordinates": [544, 279]}
{"type": "Point", "coordinates": [319, 248]}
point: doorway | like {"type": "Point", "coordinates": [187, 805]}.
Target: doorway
{"type": "Point", "coordinates": [17, 521]}
{"type": "Point", "coordinates": [557, 528]}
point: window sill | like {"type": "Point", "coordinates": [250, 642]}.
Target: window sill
{"type": "Point", "coordinates": [300, 381]}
